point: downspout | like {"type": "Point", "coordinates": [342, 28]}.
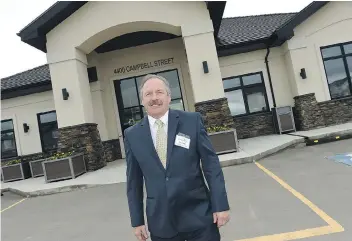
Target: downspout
{"type": "Point", "coordinates": [269, 75]}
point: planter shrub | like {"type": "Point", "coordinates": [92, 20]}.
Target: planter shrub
{"type": "Point", "coordinates": [15, 170]}
{"type": "Point", "coordinates": [64, 166]}
{"type": "Point", "coordinates": [37, 167]}
{"type": "Point", "coordinates": [223, 139]}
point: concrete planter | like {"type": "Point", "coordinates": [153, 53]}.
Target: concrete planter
{"type": "Point", "coordinates": [14, 172]}
{"type": "Point", "coordinates": [37, 167]}
{"type": "Point", "coordinates": [64, 168]}
{"type": "Point", "coordinates": [224, 141]}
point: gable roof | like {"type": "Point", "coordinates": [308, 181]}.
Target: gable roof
{"type": "Point", "coordinates": [37, 75]}
{"type": "Point", "coordinates": [33, 81]}
{"type": "Point", "coordinates": [239, 30]}
{"type": "Point", "coordinates": [28, 82]}
{"type": "Point", "coordinates": [240, 35]}
{"type": "Point", "coordinates": [235, 35]}
{"type": "Point", "coordinates": [35, 32]}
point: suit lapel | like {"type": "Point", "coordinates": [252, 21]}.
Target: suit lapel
{"type": "Point", "coordinates": [171, 133]}
{"type": "Point", "coordinates": [147, 142]}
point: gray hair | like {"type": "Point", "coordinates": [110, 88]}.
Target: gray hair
{"type": "Point", "coordinates": [153, 76]}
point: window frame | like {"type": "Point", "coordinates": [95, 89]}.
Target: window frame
{"type": "Point", "coordinates": [344, 56]}
{"type": "Point", "coordinates": [119, 99]}
{"type": "Point", "coordinates": [40, 124]}
{"type": "Point", "coordinates": [243, 87]}
{"type": "Point", "coordinates": [14, 136]}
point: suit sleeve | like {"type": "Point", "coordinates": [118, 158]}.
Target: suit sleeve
{"type": "Point", "coordinates": [212, 169]}
{"type": "Point", "coordinates": [134, 187]}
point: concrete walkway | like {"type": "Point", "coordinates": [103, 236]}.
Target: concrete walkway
{"type": "Point", "coordinates": [115, 172]}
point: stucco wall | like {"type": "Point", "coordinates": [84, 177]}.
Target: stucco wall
{"type": "Point", "coordinates": [330, 25]}
{"type": "Point", "coordinates": [96, 22]}
{"type": "Point", "coordinates": [254, 61]}
{"type": "Point", "coordinates": [24, 110]}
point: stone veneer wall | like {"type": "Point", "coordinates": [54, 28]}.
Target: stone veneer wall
{"type": "Point", "coordinates": [215, 112]}
{"type": "Point", "coordinates": [112, 150]}
{"type": "Point", "coordinates": [83, 138]}
{"type": "Point", "coordinates": [336, 111]}
{"type": "Point", "coordinates": [254, 125]}
{"type": "Point", "coordinates": [311, 114]}
{"type": "Point", "coordinates": [307, 112]}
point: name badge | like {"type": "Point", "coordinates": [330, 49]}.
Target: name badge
{"type": "Point", "coordinates": [182, 140]}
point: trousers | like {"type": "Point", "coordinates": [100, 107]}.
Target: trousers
{"type": "Point", "coordinates": [209, 233]}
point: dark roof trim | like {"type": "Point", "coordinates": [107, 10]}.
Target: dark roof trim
{"type": "Point", "coordinates": [277, 38]}
{"type": "Point", "coordinates": [286, 31]}
{"type": "Point", "coordinates": [35, 32]}
{"type": "Point", "coordinates": [216, 11]}
{"type": "Point", "coordinates": [42, 86]}
{"type": "Point", "coordinates": [28, 90]}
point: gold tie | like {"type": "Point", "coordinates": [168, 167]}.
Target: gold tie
{"type": "Point", "coordinates": [161, 142]}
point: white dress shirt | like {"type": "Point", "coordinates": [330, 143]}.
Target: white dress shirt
{"type": "Point", "coordinates": [154, 127]}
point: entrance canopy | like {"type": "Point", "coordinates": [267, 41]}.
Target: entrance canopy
{"type": "Point", "coordinates": [35, 33]}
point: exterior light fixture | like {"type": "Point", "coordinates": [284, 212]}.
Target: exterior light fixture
{"type": "Point", "coordinates": [65, 94]}
{"type": "Point", "coordinates": [205, 67]}
{"type": "Point", "coordinates": [303, 73]}
{"type": "Point", "coordinates": [25, 127]}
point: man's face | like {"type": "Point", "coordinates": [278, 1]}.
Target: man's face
{"type": "Point", "coordinates": [155, 98]}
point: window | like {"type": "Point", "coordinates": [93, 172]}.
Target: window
{"type": "Point", "coordinates": [48, 130]}
{"type": "Point", "coordinates": [246, 94]}
{"type": "Point", "coordinates": [8, 140]}
{"type": "Point", "coordinates": [338, 69]}
{"type": "Point", "coordinates": [130, 105]}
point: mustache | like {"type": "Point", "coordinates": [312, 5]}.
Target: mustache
{"type": "Point", "coordinates": [155, 102]}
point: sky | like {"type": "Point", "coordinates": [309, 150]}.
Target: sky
{"type": "Point", "coordinates": [17, 56]}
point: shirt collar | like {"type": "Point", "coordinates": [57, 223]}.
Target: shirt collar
{"type": "Point", "coordinates": [164, 119]}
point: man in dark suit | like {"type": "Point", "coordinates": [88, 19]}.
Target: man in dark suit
{"type": "Point", "coordinates": [165, 149]}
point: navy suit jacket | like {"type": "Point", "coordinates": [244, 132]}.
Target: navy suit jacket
{"type": "Point", "coordinates": [177, 198]}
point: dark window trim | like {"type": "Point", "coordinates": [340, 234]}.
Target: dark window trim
{"type": "Point", "coordinates": [243, 87]}
{"type": "Point", "coordinates": [134, 77]}
{"type": "Point", "coordinates": [14, 136]}
{"type": "Point", "coordinates": [342, 56]}
{"type": "Point", "coordinates": [40, 124]}
{"type": "Point", "coordinates": [334, 45]}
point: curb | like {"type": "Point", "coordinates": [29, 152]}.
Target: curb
{"type": "Point", "coordinates": [326, 138]}
{"type": "Point", "coordinates": [50, 191]}
{"type": "Point", "coordinates": [305, 140]}
{"type": "Point", "coordinates": [227, 163]}
{"type": "Point", "coordinates": [256, 157]}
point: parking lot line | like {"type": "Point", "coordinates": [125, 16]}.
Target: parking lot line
{"type": "Point", "coordinates": [332, 227]}
{"type": "Point", "coordinates": [13, 205]}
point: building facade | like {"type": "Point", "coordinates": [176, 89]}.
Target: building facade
{"type": "Point", "coordinates": [234, 71]}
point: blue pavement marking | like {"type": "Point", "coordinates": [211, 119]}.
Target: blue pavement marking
{"type": "Point", "coordinates": [345, 158]}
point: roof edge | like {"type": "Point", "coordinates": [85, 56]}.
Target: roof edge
{"type": "Point", "coordinates": [216, 11]}
{"type": "Point", "coordinates": [278, 37]}
{"type": "Point", "coordinates": [286, 31]}
{"type": "Point", "coordinates": [35, 32]}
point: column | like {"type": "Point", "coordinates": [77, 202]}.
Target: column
{"type": "Point", "coordinates": [207, 88]}
{"type": "Point", "coordinates": [77, 128]}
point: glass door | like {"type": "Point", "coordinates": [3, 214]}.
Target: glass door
{"type": "Point", "coordinates": [128, 99]}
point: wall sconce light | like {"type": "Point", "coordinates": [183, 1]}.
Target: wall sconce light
{"type": "Point", "coordinates": [205, 67]}
{"type": "Point", "coordinates": [25, 127]}
{"type": "Point", "coordinates": [303, 73]}
{"type": "Point", "coordinates": [65, 94]}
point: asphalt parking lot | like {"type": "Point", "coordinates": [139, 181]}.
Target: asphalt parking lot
{"type": "Point", "coordinates": [296, 194]}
